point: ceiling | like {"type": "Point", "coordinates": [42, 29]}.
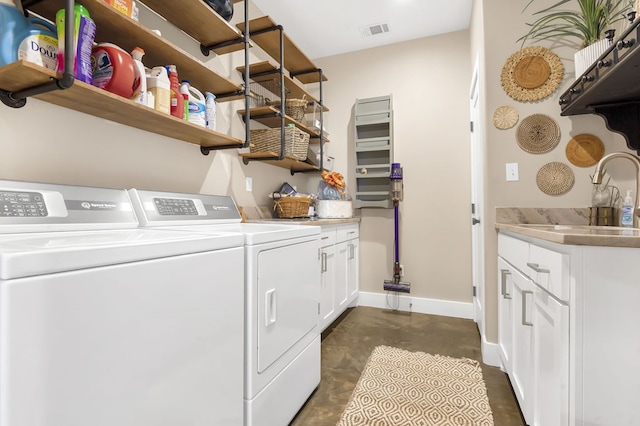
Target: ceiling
{"type": "Point", "coordinates": [330, 27]}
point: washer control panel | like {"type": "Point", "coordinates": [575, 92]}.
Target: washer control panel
{"type": "Point", "coordinates": [22, 204]}
{"type": "Point", "coordinates": [175, 207]}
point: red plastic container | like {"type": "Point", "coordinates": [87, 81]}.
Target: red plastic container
{"type": "Point", "coordinates": [113, 69]}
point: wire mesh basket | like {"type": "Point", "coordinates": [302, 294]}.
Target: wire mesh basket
{"type": "Point", "coordinates": [296, 142]}
{"type": "Point", "coordinates": [290, 207]}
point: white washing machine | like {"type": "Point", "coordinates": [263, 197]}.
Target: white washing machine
{"type": "Point", "coordinates": [282, 279]}
{"type": "Point", "coordinates": [103, 323]}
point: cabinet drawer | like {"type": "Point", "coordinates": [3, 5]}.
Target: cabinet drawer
{"type": "Point", "coordinates": [348, 232]}
{"type": "Point", "coordinates": [514, 251]}
{"type": "Point", "coordinates": [328, 236]}
{"type": "Point", "coordinates": [550, 270]}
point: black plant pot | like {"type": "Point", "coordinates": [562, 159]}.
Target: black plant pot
{"type": "Point", "coordinates": [223, 8]}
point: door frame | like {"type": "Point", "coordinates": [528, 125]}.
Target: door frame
{"type": "Point", "coordinates": [477, 200]}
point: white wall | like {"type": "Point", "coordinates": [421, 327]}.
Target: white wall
{"type": "Point", "coordinates": [429, 79]}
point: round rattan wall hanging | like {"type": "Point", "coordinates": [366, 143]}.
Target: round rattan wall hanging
{"type": "Point", "coordinates": [505, 117]}
{"type": "Point", "coordinates": [538, 134]}
{"type": "Point", "coordinates": [555, 178]}
{"type": "Point", "coordinates": [584, 150]}
{"type": "Point", "coordinates": [531, 74]}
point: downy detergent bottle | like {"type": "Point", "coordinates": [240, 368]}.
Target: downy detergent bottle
{"type": "Point", "coordinates": [32, 39]}
{"type": "Point", "coordinates": [84, 32]}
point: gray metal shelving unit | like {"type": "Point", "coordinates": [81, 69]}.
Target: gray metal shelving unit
{"type": "Point", "coordinates": [374, 151]}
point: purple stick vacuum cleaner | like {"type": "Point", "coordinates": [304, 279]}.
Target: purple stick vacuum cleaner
{"type": "Point", "coordinates": [396, 195]}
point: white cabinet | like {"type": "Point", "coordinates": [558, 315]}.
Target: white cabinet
{"type": "Point", "coordinates": [327, 276]}
{"type": "Point", "coordinates": [339, 256]}
{"type": "Point", "coordinates": [534, 328]}
{"type": "Point", "coordinates": [550, 324]}
{"type": "Point", "coordinates": [522, 338]}
{"type": "Point", "coordinates": [505, 313]}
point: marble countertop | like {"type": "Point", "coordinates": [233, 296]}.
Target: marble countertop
{"type": "Point", "coordinates": [564, 226]}
{"type": "Point", "coordinates": [580, 235]}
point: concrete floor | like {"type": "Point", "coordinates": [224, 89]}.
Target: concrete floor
{"type": "Point", "coordinates": [347, 344]}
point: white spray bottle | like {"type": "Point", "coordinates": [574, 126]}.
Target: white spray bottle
{"type": "Point", "coordinates": [140, 82]}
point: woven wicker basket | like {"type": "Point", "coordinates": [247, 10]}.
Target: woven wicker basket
{"type": "Point", "coordinates": [294, 108]}
{"type": "Point", "coordinates": [289, 207]}
{"type": "Point", "coordinates": [296, 142]}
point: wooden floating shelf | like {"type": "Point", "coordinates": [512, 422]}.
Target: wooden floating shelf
{"type": "Point", "coordinates": [295, 61]}
{"type": "Point", "coordinates": [89, 99]}
{"type": "Point", "coordinates": [114, 27]}
{"type": "Point", "coordinates": [288, 162]}
{"type": "Point", "coordinates": [270, 72]}
{"type": "Point", "coordinates": [200, 22]}
{"type": "Point", "coordinates": [267, 115]}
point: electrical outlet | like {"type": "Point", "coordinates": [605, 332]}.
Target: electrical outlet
{"type": "Point", "coordinates": [402, 270]}
{"type": "Point", "coordinates": [248, 182]}
{"type": "Point", "coordinates": [512, 172]}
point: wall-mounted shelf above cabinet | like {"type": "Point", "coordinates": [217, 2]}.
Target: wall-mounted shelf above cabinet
{"type": "Point", "coordinates": [270, 117]}
{"type": "Point", "coordinates": [292, 164]}
{"type": "Point", "coordinates": [610, 88]}
{"type": "Point", "coordinates": [295, 61]}
{"type": "Point", "coordinates": [114, 27]}
{"type": "Point", "coordinates": [264, 74]}
{"type": "Point", "coordinates": [100, 103]}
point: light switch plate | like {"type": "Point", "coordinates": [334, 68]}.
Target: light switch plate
{"type": "Point", "coordinates": [512, 172]}
{"type": "Point", "coordinates": [248, 184]}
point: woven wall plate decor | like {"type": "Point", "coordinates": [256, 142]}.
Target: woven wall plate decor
{"type": "Point", "coordinates": [531, 74]}
{"type": "Point", "coordinates": [505, 117]}
{"type": "Point", "coordinates": [584, 150]}
{"type": "Point", "coordinates": [538, 134]}
{"type": "Point", "coordinates": [555, 178]}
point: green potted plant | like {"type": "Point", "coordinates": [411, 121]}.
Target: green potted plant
{"type": "Point", "coordinates": [585, 24]}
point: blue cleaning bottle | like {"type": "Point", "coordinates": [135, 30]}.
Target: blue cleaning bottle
{"type": "Point", "coordinates": [32, 39]}
{"type": "Point", "coordinates": [12, 25]}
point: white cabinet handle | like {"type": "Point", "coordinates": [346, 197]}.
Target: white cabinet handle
{"type": "Point", "coordinates": [524, 308]}
{"type": "Point", "coordinates": [537, 268]}
{"type": "Point", "coordinates": [505, 273]}
{"type": "Point", "coordinates": [270, 307]}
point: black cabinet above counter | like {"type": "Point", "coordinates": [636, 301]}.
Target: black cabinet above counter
{"type": "Point", "coordinates": [611, 88]}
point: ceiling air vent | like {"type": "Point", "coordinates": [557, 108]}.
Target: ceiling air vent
{"type": "Point", "coordinates": [375, 29]}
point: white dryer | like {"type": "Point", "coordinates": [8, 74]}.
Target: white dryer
{"type": "Point", "coordinates": [103, 323]}
{"type": "Point", "coordinates": [282, 283]}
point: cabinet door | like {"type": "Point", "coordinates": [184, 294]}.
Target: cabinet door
{"type": "Point", "coordinates": [327, 297]}
{"type": "Point", "coordinates": [341, 275]}
{"type": "Point", "coordinates": [522, 331]}
{"type": "Point", "coordinates": [551, 360]}
{"type": "Point", "coordinates": [353, 271]}
{"type": "Point", "coordinates": [505, 313]}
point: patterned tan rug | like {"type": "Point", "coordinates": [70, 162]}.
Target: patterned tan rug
{"type": "Point", "coordinates": [399, 387]}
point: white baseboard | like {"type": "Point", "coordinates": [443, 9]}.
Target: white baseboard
{"type": "Point", "coordinates": [416, 304]}
{"type": "Point", "coordinates": [491, 353]}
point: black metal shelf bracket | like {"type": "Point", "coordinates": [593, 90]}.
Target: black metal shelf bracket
{"type": "Point", "coordinates": [206, 50]}
{"type": "Point", "coordinates": [205, 150]}
{"type": "Point", "coordinates": [19, 99]}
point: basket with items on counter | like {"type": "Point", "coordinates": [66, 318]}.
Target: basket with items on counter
{"type": "Point", "coordinates": [289, 204]}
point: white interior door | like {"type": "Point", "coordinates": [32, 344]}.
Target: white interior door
{"type": "Point", "coordinates": [477, 173]}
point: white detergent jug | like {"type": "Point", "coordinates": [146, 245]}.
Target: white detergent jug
{"type": "Point", "coordinates": [197, 110]}
{"type": "Point", "coordinates": [159, 86]}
